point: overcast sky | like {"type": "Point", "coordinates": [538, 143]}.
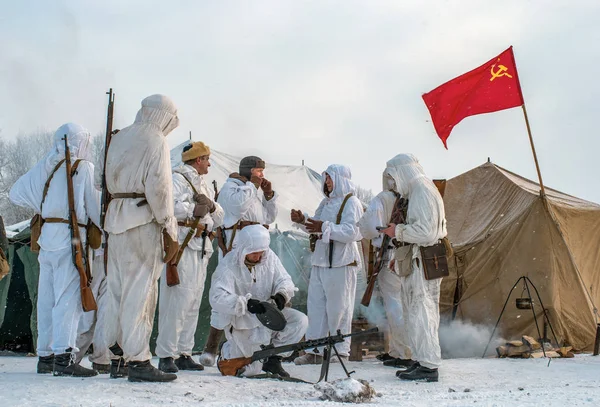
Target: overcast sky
{"type": "Point", "coordinates": [323, 81]}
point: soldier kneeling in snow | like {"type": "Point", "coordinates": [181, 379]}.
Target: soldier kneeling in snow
{"type": "Point", "coordinates": [247, 275]}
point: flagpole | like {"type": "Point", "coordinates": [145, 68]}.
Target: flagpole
{"type": "Point", "coordinates": [537, 165]}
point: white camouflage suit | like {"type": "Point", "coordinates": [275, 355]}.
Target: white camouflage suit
{"type": "Point", "coordinates": [92, 325]}
{"type": "Point", "coordinates": [242, 201]}
{"type": "Point", "coordinates": [425, 225]}
{"type": "Point", "coordinates": [332, 288]}
{"type": "Point", "coordinates": [179, 305]}
{"type": "Point", "coordinates": [138, 161]}
{"type": "Point", "coordinates": [59, 308]}
{"type": "Point", "coordinates": [233, 284]}
{"type": "Point", "coordinates": [377, 214]}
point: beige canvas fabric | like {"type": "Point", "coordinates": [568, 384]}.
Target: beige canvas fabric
{"type": "Point", "coordinates": [502, 229]}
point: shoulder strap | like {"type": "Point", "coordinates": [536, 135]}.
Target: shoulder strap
{"type": "Point", "coordinates": [338, 220]}
{"type": "Point", "coordinates": [74, 167]}
{"type": "Point", "coordinates": [189, 182]}
{"type": "Point", "coordinates": [47, 185]}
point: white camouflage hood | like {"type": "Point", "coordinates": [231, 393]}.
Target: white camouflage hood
{"type": "Point", "coordinates": [251, 239]}
{"type": "Point", "coordinates": [341, 177]}
{"type": "Point", "coordinates": [160, 111]}
{"type": "Point", "coordinates": [404, 169]}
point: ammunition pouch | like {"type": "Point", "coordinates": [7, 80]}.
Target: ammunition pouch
{"type": "Point", "coordinates": [94, 236]}
{"type": "Point", "coordinates": [36, 230]}
{"type": "Point", "coordinates": [435, 262]}
{"type": "Point", "coordinates": [403, 258]}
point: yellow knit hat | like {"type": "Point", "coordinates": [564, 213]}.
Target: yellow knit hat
{"type": "Point", "coordinates": [194, 150]}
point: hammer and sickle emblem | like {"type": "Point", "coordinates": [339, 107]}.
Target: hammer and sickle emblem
{"type": "Point", "coordinates": [499, 73]}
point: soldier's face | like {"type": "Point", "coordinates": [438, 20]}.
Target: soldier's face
{"type": "Point", "coordinates": [257, 172]}
{"type": "Point", "coordinates": [254, 257]}
{"type": "Point", "coordinates": [202, 164]}
{"type": "Point", "coordinates": [328, 183]}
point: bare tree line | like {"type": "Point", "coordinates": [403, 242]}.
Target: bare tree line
{"type": "Point", "coordinates": [19, 155]}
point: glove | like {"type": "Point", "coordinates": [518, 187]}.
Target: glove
{"type": "Point", "coordinates": [200, 210]}
{"type": "Point", "coordinates": [314, 226]}
{"type": "Point", "coordinates": [279, 300]}
{"type": "Point", "coordinates": [257, 181]}
{"type": "Point", "coordinates": [170, 247]}
{"type": "Point", "coordinates": [267, 188]}
{"type": "Point", "coordinates": [255, 307]}
{"type": "Point", "coordinates": [297, 216]}
{"type": "Point", "coordinates": [202, 199]}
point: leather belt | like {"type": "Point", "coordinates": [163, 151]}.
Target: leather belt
{"type": "Point", "coordinates": [60, 220]}
{"type": "Point", "coordinates": [243, 223]}
{"type": "Point", "coordinates": [131, 195]}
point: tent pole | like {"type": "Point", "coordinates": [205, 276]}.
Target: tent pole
{"type": "Point", "coordinates": [537, 165]}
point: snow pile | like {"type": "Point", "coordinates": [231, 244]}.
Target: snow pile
{"type": "Point", "coordinates": [346, 390]}
{"type": "Point", "coordinates": [13, 230]}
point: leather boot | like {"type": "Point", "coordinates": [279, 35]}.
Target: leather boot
{"type": "Point", "coordinates": [421, 373]}
{"type": "Point", "coordinates": [410, 369]}
{"type": "Point", "coordinates": [64, 366]}
{"type": "Point", "coordinates": [397, 362]}
{"type": "Point", "coordinates": [143, 371]}
{"type": "Point", "coordinates": [273, 365]}
{"type": "Point", "coordinates": [101, 368]}
{"type": "Point", "coordinates": [185, 362]}
{"type": "Point", "coordinates": [118, 367]}
{"type": "Point", "coordinates": [45, 364]}
{"type": "Point", "coordinates": [384, 357]}
{"type": "Point", "coordinates": [167, 365]}
{"type": "Point", "coordinates": [209, 354]}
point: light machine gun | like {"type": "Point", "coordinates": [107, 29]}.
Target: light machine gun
{"type": "Point", "coordinates": [235, 367]}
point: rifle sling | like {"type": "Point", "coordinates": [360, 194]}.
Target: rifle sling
{"type": "Point", "coordinates": [47, 184]}
{"type": "Point", "coordinates": [186, 241]}
{"type": "Point", "coordinates": [338, 220]}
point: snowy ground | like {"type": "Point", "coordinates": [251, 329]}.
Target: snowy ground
{"type": "Point", "coordinates": [475, 382]}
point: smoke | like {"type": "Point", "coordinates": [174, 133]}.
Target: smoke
{"type": "Point", "coordinates": [461, 339]}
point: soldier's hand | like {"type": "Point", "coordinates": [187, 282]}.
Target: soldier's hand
{"type": "Point", "coordinates": [314, 226]}
{"type": "Point", "coordinates": [297, 216]}
{"type": "Point", "coordinates": [255, 307]}
{"type": "Point", "coordinates": [279, 300]}
{"type": "Point", "coordinates": [202, 199]}
{"type": "Point", "coordinates": [390, 231]}
{"type": "Point", "coordinates": [257, 181]}
{"type": "Point", "coordinates": [267, 187]}
{"type": "Point", "coordinates": [170, 247]}
{"type": "Point", "coordinates": [200, 210]}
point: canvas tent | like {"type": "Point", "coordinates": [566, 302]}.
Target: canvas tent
{"type": "Point", "coordinates": [297, 186]}
{"type": "Point", "coordinates": [501, 229]}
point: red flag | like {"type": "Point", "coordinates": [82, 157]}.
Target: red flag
{"type": "Point", "coordinates": [491, 87]}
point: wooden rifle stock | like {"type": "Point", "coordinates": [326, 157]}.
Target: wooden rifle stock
{"type": "Point", "coordinates": [231, 367]}
{"type": "Point", "coordinates": [105, 200]}
{"type": "Point", "coordinates": [87, 297]}
{"type": "Point", "coordinates": [366, 299]}
{"type": "Point", "coordinates": [172, 273]}
{"type": "Point", "coordinates": [398, 216]}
